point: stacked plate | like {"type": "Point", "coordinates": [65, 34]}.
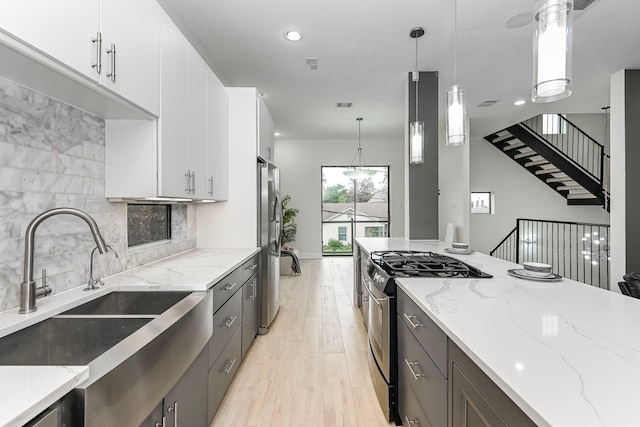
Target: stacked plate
{"type": "Point", "coordinates": [459, 248]}
{"type": "Point", "coordinates": [535, 271]}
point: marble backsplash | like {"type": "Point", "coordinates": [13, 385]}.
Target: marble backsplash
{"type": "Point", "coordinates": [52, 155]}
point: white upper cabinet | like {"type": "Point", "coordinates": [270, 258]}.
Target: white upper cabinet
{"type": "Point", "coordinates": [131, 50]}
{"type": "Point", "coordinates": [112, 42]}
{"type": "Point", "coordinates": [196, 123]}
{"type": "Point", "coordinates": [217, 139]}
{"type": "Point", "coordinates": [265, 132]}
{"type": "Point", "coordinates": [62, 30]}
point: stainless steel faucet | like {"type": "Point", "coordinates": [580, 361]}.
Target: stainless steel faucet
{"type": "Point", "coordinates": [28, 291]}
{"type": "Point", "coordinates": [94, 282]}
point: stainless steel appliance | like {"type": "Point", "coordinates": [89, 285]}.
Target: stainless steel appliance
{"type": "Point", "coordinates": [269, 238]}
{"type": "Point", "coordinates": [379, 308]}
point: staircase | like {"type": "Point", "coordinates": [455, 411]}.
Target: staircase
{"type": "Point", "coordinates": [559, 154]}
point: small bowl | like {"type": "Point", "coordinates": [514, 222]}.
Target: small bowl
{"type": "Point", "coordinates": [460, 246]}
{"type": "Point", "coordinates": [537, 269]}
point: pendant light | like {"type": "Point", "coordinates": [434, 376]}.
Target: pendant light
{"type": "Point", "coordinates": [416, 128]}
{"type": "Point", "coordinates": [552, 50]}
{"type": "Point", "coordinates": [360, 171]}
{"type": "Point", "coordinates": [457, 129]}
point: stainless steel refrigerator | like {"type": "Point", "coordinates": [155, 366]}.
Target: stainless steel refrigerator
{"type": "Point", "coordinates": [269, 238]}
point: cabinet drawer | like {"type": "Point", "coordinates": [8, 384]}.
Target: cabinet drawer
{"type": "Point", "coordinates": [224, 289]}
{"type": "Point", "coordinates": [250, 267]}
{"type": "Point", "coordinates": [222, 372]}
{"type": "Point", "coordinates": [423, 377]}
{"type": "Point", "coordinates": [410, 410]}
{"type": "Point", "coordinates": [428, 334]}
{"type": "Point", "coordinates": [226, 322]}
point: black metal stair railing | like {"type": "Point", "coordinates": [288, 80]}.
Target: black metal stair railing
{"type": "Point", "coordinates": [577, 251]}
{"type": "Point", "coordinates": [572, 142]}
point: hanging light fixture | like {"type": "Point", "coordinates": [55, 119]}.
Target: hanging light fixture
{"type": "Point", "coordinates": [359, 171]}
{"type": "Point", "coordinates": [416, 128]}
{"type": "Point", "coordinates": [552, 50]}
{"type": "Point", "coordinates": [457, 129]}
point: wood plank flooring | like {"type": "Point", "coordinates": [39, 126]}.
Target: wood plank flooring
{"type": "Point", "coordinates": [311, 368]}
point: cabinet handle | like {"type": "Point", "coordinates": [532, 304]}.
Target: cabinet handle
{"type": "Point", "coordinates": [413, 325]}
{"type": "Point", "coordinates": [411, 422]}
{"type": "Point", "coordinates": [98, 42]}
{"type": "Point", "coordinates": [174, 409]}
{"type": "Point", "coordinates": [416, 375]}
{"type": "Point", "coordinates": [230, 286]}
{"type": "Point", "coordinates": [255, 289]}
{"type": "Point", "coordinates": [163, 423]}
{"type": "Point", "coordinates": [187, 176]}
{"type": "Point", "coordinates": [193, 182]}
{"type": "Point", "coordinates": [231, 363]}
{"type": "Point", "coordinates": [211, 186]}
{"type": "Point", "coordinates": [229, 322]}
{"type": "Point", "coordinates": [112, 51]}
{"type": "Point", "coordinates": [252, 267]}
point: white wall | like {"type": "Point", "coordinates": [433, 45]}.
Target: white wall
{"type": "Point", "coordinates": [300, 161]}
{"type": "Point", "coordinates": [454, 201]}
{"type": "Point", "coordinates": [618, 180]}
{"type": "Point", "coordinates": [517, 194]}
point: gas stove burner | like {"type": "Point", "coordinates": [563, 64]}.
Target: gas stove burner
{"type": "Point", "coordinates": [423, 264]}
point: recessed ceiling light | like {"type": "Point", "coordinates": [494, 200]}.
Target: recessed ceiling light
{"type": "Point", "coordinates": [277, 134]}
{"type": "Point", "coordinates": [293, 36]}
{"type": "Point", "coordinates": [520, 102]}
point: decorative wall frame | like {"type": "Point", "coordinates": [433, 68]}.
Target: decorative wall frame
{"type": "Point", "coordinates": [481, 202]}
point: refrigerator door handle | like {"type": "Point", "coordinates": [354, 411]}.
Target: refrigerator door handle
{"type": "Point", "coordinates": [279, 218]}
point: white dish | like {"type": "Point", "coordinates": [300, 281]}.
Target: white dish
{"type": "Point", "coordinates": [537, 266]}
{"type": "Point", "coordinates": [459, 251]}
{"type": "Point", "coordinates": [460, 245]}
{"type": "Point", "coordinates": [525, 274]}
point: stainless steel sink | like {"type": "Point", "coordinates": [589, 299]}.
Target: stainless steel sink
{"type": "Point", "coordinates": [136, 344]}
{"type": "Point", "coordinates": [66, 341]}
{"type": "Point", "coordinates": [140, 303]}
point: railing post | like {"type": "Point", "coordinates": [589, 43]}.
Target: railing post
{"type": "Point", "coordinates": [518, 241]}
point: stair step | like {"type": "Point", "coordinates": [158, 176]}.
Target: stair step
{"type": "Point", "coordinates": [571, 188]}
{"type": "Point", "coordinates": [526, 153]}
{"type": "Point", "coordinates": [503, 138]}
{"type": "Point", "coordinates": [559, 179]}
{"type": "Point", "coordinates": [536, 163]}
{"type": "Point", "coordinates": [581, 196]}
{"type": "Point", "coordinates": [513, 146]}
{"type": "Point", "coordinates": [546, 171]}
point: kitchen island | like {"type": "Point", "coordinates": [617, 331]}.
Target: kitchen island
{"type": "Point", "coordinates": [34, 388]}
{"type": "Point", "coordinates": [567, 354]}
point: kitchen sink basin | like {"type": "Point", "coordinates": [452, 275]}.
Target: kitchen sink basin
{"type": "Point", "coordinates": [66, 340]}
{"type": "Point", "coordinates": [135, 303]}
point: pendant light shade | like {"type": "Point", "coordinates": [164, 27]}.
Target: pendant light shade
{"type": "Point", "coordinates": [457, 129]}
{"type": "Point", "coordinates": [552, 50]}
{"type": "Point", "coordinates": [416, 128]}
{"type": "Point", "coordinates": [359, 171]}
{"type": "Point", "coordinates": [456, 121]}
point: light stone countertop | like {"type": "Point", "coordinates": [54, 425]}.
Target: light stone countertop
{"type": "Point", "coordinates": [28, 390]}
{"type": "Point", "coordinates": [567, 353]}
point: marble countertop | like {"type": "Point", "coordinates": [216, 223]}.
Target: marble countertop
{"type": "Point", "coordinates": [567, 353]}
{"type": "Point", "coordinates": [28, 390]}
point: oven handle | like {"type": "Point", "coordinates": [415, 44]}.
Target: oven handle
{"type": "Point", "coordinates": [376, 300]}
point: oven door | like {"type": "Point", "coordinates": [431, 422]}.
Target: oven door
{"type": "Point", "coordinates": [378, 328]}
{"type": "Point", "coordinates": [365, 283]}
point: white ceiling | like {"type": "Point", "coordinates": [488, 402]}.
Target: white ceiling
{"type": "Point", "coordinates": [364, 54]}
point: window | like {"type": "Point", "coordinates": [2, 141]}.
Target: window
{"type": "Point", "coordinates": [552, 124]}
{"type": "Point", "coordinates": [374, 232]}
{"type": "Point", "coordinates": [342, 234]}
{"type": "Point", "coordinates": [148, 223]}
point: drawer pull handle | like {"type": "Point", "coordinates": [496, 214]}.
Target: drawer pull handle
{"type": "Point", "coordinates": [230, 286]}
{"type": "Point", "coordinates": [231, 363]}
{"type": "Point", "coordinates": [252, 267]}
{"type": "Point", "coordinates": [163, 423]}
{"type": "Point", "coordinates": [416, 375]}
{"type": "Point", "coordinates": [411, 422]}
{"type": "Point", "coordinates": [230, 321]}
{"type": "Point", "coordinates": [174, 409]}
{"type": "Point", "coordinates": [413, 325]}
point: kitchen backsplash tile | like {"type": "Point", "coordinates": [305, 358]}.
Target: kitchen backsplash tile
{"type": "Point", "coordinates": [52, 155]}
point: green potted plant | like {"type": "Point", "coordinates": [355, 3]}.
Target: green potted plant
{"type": "Point", "coordinates": [289, 226]}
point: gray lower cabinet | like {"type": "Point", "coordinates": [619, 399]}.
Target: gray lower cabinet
{"type": "Point", "coordinates": [250, 313]}
{"type": "Point", "coordinates": [223, 371]}
{"type": "Point", "coordinates": [476, 401]}
{"type": "Point", "coordinates": [49, 418]}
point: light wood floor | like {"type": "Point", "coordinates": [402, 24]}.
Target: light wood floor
{"type": "Point", "coordinates": [311, 368]}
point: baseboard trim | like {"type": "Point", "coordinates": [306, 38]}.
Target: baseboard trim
{"type": "Point", "coordinates": [310, 255]}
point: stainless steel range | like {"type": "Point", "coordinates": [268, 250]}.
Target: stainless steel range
{"type": "Point", "coordinates": [379, 309]}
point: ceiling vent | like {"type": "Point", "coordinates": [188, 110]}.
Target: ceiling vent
{"type": "Point", "coordinates": [344, 104]}
{"type": "Point", "coordinates": [582, 4]}
{"type": "Point", "coordinates": [488, 103]}
{"type": "Point", "coordinates": [312, 63]}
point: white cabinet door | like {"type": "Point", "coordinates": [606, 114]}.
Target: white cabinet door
{"type": "Point", "coordinates": [172, 137]}
{"type": "Point", "coordinates": [131, 50]}
{"type": "Point", "coordinates": [61, 29]}
{"type": "Point", "coordinates": [217, 138]}
{"type": "Point", "coordinates": [197, 122]}
{"type": "Point", "coordinates": [265, 132]}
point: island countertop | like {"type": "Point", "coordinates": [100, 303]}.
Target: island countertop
{"type": "Point", "coordinates": [567, 353]}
